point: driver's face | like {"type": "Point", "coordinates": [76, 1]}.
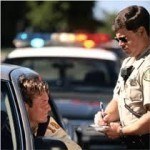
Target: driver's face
{"type": "Point", "coordinates": [39, 111]}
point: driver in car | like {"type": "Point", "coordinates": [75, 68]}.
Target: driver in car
{"type": "Point", "coordinates": [36, 97]}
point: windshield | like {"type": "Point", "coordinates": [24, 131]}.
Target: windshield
{"type": "Point", "coordinates": [73, 74]}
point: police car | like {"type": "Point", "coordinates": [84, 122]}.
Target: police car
{"type": "Point", "coordinates": [15, 128]}
{"type": "Point", "coordinates": [79, 79]}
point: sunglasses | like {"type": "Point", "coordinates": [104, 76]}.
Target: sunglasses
{"type": "Point", "coordinates": [122, 39]}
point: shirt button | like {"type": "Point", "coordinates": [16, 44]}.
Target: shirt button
{"type": "Point", "coordinates": [126, 86]}
{"type": "Point", "coordinates": [132, 82]}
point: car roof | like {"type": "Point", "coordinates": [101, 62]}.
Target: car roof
{"type": "Point", "coordinates": [72, 52]}
{"type": "Point", "coordinates": [7, 69]}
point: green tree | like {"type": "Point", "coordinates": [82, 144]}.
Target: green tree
{"type": "Point", "coordinates": [67, 16]}
{"type": "Point", "coordinates": [109, 18]}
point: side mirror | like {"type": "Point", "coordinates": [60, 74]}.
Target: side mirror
{"type": "Point", "coordinates": [48, 143]}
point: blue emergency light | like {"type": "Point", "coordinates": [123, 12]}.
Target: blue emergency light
{"type": "Point", "coordinates": [37, 42]}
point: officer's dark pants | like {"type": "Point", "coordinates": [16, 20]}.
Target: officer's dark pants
{"type": "Point", "coordinates": [137, 142]}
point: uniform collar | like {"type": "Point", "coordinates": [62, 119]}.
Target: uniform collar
{"type": "Point", "coordinates": [144, 53]}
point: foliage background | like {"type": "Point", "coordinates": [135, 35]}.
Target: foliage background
{"type": "Point", "coordinates": [49, 16]}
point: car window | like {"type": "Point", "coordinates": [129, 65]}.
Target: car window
{"type": "Point", "coordinates": [8, 132]}
{"type": "Point", "coordinates": [63, 73]}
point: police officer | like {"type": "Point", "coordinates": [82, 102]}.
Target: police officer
{"type": "Point", "coordinates": [128, 113]}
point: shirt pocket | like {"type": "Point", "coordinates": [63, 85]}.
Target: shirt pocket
{"type": "Point", "coordinates": [134, 90]}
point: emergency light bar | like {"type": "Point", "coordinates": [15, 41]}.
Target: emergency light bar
{"type": "Point", "coordinates": [87, 40]}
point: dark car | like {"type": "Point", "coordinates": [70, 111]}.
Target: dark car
{"type": "Point", "coordinates": [15, 128]}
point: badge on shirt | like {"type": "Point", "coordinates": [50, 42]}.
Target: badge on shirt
{"type": "Point", "coordinates": [146, 75]}
{"type": "Point", "coordinates": [133, 82]}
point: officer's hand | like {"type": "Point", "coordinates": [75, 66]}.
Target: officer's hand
{"type": "Point", "coordinates": [99, 119]}
{"type": "Point", "coordinates": [114, 131]}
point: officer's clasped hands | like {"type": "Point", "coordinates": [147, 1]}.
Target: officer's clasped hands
{"type": "Point", "coordinates": [104, 120]}
{"type": "Point", "coordinates": [114, 131]}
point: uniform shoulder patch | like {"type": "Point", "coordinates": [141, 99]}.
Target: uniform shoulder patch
{"type": "Point", "coordinates": [146, 75]}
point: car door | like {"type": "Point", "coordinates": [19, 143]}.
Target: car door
{"type": "Point", "coordinates": [12, 130]}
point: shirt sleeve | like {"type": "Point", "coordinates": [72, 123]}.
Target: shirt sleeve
{"type": "Point", "coordinates": [146, 86]}
{"type": "Point", "coordinates": [54, 130]}
{"type": "Point", "coordinates": [116, 90]}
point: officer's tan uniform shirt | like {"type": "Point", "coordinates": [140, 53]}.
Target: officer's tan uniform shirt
{"type": "Point", "coordinates": [135, 92]}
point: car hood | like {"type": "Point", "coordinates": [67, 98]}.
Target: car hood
{"type": "Point", "coordinates": [77, 109]}
{"type": "Point", "coordinates": [80, 105]}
